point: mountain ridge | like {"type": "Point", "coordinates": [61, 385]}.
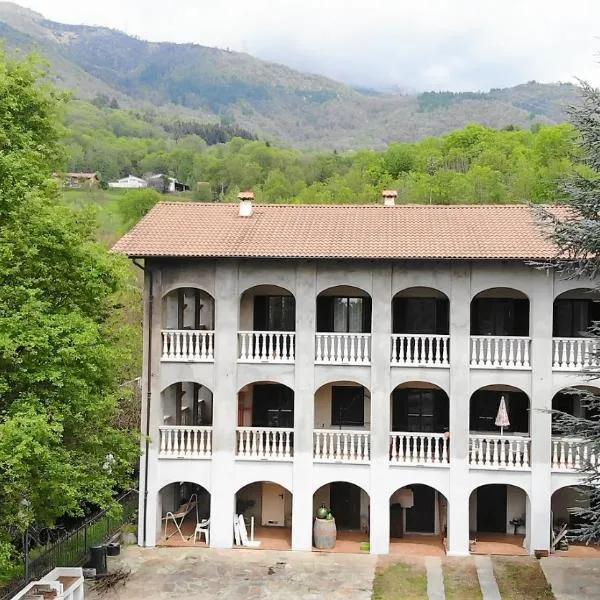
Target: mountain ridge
{"type": "Point", "coordinates": [272, 100]}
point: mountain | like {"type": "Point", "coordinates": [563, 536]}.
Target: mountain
{"type": "Point", "coordinates": [269, 99]}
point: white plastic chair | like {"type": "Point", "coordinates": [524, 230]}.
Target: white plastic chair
{"type": "Point", "coordinates": [244, 534]}
{"type": "Point", "coordinates": [202, 528]}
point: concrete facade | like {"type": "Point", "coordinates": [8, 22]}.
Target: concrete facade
{"type": "Point", "coordinates": [225, 286]}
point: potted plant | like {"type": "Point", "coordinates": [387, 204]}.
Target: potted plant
{"type": "Point", "coordinates": [324, 530]}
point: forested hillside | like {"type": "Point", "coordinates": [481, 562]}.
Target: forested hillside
{"type": "Point", "coordinates": [194, 82]}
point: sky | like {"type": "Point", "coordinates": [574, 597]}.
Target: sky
{"type": "Point", "coordinates": [415, 45]}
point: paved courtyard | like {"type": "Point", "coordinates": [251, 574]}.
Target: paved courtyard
{"type": "Point", "coordinates": [175, 573]}
{"type": "Point", "coordinates": [573, 578]}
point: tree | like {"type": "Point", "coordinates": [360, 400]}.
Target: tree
{"type": "Point", "coordinates": [576, 233]}
{"type": "Point", "coordinates": [61, 357]}
{"type": "Point", "coordinates": [134, 204]}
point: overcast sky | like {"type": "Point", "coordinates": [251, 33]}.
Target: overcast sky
{"type": "Point", "coordinates": [415, 44]}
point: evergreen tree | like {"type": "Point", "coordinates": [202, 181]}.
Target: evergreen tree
{"type": "Point", "coordinates": [576, 233]}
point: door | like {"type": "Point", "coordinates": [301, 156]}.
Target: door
{"type": "Point", "coordinates": [273, 505]}
{"type": "Point", "coordinates": [421, 517]}
{"type": "Point", "coordinates": [272, 405]}
{"type": "Point", "coordinates": [491, 508]}
{"type": "Point", "coordinates": [419, 410]}
{"type": "Point", "coordinates": [344, 499]}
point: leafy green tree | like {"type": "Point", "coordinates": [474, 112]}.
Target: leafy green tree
{"type": "Point", "coordinates": [576, 234]}
{"type": "Point", "coordinates": [134, 204]}
{"type": "Point", "coordinates": [61, 356]}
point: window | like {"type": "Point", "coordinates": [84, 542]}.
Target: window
{"type": "Point", "coordinates": [348, 406]}
{"type": "Point", "coordinates": [491, 316]}
{"type": "Point", "coordinates": [421, 315]}
{"type": "Point", "coordinates": [572, 318]}
{"type": "Point", "coordinates": [274, 313]}
{"type": "Point", "coordinates": [344, 314]}
{"type": "Point", "coordinates": [420, 410]}
{"type": "Point", "coordinates": [484, 408]}
{"type": "Point", "coordinates": [272, 405]}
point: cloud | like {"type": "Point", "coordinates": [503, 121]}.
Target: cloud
{"type": "Point", "coordinates": [431, 44]}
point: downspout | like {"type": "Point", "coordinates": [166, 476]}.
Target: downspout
{"type": "Point", "coordinates": [148, 396]}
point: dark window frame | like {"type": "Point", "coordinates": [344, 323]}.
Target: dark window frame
{"type": "Point", "coordinates": [264, 315]}
{"type": "Point", "coordinates": [326, 308]}
{"type": "Point", "coordinates": [347, 406]}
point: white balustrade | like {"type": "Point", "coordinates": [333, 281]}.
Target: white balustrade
{"type": "Point", "coordinates": [343, 348]}
{"type": "Point", "coordinates": [424, 449]}
{"type": "Point", "coordinates": [420, 350]}
{"type": "Point", "coordinates": [265, 443]}
{"type": "Point", "coordinates": [571, 454]}
{"type": "Point", "coordinates": [266, 346]}
{"type": "Point", "coordinates": [505, 352]}
{"type": "Point", "coordinates": [499, 452]}
{"type": "Point", "coordinates": [183, 441]}
{"type": "Point", "coordinates": [338, 445]}
{"type": "Point", "coordinates": [575, 354]}
{"type": "Point", "coordinates": [187, 345]}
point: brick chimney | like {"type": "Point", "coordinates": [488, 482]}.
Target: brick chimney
{"type": "Point", "coordinates": [389, 197]}
{"type": "Point", "coordinates": [246, 207]}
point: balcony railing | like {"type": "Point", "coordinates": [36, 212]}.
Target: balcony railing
{"type": "Point", "coordinates": [570, 454]}
{"type": "Point", "coordinates": [183, 441]}
{"type": "Point", "coordinates": [187, 345]}
{"type": "Point", "coordinates": [338, 445]}
{"type": "Point", "coordinates": [265, 443]}
{"type": "Point", "coordinates": [499, 452]}
{"type": "Point", "coordinates": [420, 350]}
{"type": "Point", "coordinates": [574, 354]}
{"type": "Point", "coordinates": [343, 348]}
{"type": "Point", "coordinates": [423, 449]}
{"type": "Point", "coordinates": [266, 346]}
{"type": "Point", "coordinates": [504, 352]}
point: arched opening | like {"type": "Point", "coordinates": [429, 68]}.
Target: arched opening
{"type": "Point", "coordinates": [574, 313]}
{"type": "Point", "coordinates": [342, 420]}
{"type": "Point", "coordinates": [188, 317]}
{"type": "Point", "coordinates": [343, 326]}
{"type": "Point", "coordinates": [419, 414]}
{"type": "Point", "coordinates": [418, 520]}
{"type": "Point", "coordinates": [571, 506]}
{"type": "Point", "coordinates": [420, 327]}
{"type": "Point", "coordinates": [265, 421]}
{"type": "Point", "coordinates": [350, 507]}
{"type": "Point", "coordinates": [267, 324]}
{"type": "Point", "coordinates": [185, 515]}
{"type": "Point", "coordinates": [498, 519]}
{"type": "Point", "coordinates": [186, 429]}
{"type": "Point", "coordinates": [264, 510]}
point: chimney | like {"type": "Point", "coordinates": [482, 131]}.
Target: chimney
{"type": "Point", "coordinates": [246, 199]}
{"type": "Point", "coordinates": [389, 197]}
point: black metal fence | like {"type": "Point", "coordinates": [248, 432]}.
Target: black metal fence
{"type": "Point", "coordinates": [73, 548]}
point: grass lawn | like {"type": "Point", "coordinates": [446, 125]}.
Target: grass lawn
{"type": "Point", "coordinates": [400, 581]}
{"type": "Point", "coordinates": [521, 578]}
{"type": "Point", "coordinates": [460, 579]}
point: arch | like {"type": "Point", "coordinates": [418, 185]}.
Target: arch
{"type": "Point", "coordinates": [420, 310]}
{"type": "Point", "coordinates": [192, 379]}
{"type": "Point", "coordinates": [342, 404]}
{"type": "Point", "coordinates": [188, 308]}
{"type": "Point", "coordinates": [429, 408]}
{"type": "Point", "coordinates": [267, 307]}
{"type": "Point", "coordinates": [187, 403]}
{"type": "Point", "coordinates": [356, 478]}
{"type": "Point", "coordinates": [171, 480]}
{"type": "Point", "coordinates": [281, 378]}
{"type": "Point", "coordinates": [274, 480]}
{"type": "Point", "coordinates": [491, 292]}
{"type": "Point", "coordinates": [572, 287]}
{"type": "Point", "coordinates": [567, 499]}
{"type": "Point", "coordinates": [500, 311]}
{"type": "Point", "coordinates": [484, 405]}
{"type": "Point", "coordinates": [566, 399]}
{"type": "Point", "coordinates": [264, 404]}
{"type": "Point", "coordinates": [573, 313]}
{"type": "Point", "coordinates": [344, 309]}
{"type": "Point", "coordinates": [184, 284]}
{"type": "Point", "coordinates": [342, 279]}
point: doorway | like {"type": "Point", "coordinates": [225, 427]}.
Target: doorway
{"type": "Point", "coordinates": [345, 505]}
{"type": "Point", "coordinates": [491, 508]}
{"type": "Point", "coordinates": [421, 517]}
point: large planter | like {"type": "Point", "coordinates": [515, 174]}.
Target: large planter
{"type": "Point", "coordinates": [324, 533]}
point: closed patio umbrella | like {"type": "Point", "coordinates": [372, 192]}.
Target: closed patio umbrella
{"type": "Point", "coordinates": [502, 416]}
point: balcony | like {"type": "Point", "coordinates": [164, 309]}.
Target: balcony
{"type": "Point", "coordinates": [421, 449]}
{"type": "Point", "coordinates": [341, 446]}
{"type": "Point", "coordinates": [509, 452]}
{"type": "Point", "coordinates": [187, 345]}
{"type": "Point", "coordinates": [343, 348]}
{"type": "Point", "coordinates": [265, 443]}
{"type": "Point", "coordinates": [570, 454]}
{"type": "Point", "coordinates": [574, 354]}
{"type": "Point", "coordinates": [500, 352]}
{"type": "Point", "coordinates": [183, 441]}
{"type": "Point", "coordinates": [420, 350]}
{"type": "Point", "coordinates": [266, 346]}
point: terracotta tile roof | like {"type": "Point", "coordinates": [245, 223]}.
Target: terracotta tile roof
{"type": "Point", "coordinates": [338, 231]}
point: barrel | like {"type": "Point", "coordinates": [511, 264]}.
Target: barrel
{"type": "Point", "coordinates": [324, 533]}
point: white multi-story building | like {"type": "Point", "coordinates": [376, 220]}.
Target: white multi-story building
{"type": "Point", "coordinates": [299, 355]}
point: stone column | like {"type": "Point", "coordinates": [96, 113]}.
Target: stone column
{"type": "Point", "coordinates": [304, 406]}
{"type": "Point", "coordinates": [222, 502]}
{"type": "Point", "coordinates": [380, 408]}
{"type": "Point", "coordinates": [458, 502]}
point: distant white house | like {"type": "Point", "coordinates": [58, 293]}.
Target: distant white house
{"type": "Point", "coordinates": [131, 181]}
{"type": "Point", "coordinates": [173, 186]}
